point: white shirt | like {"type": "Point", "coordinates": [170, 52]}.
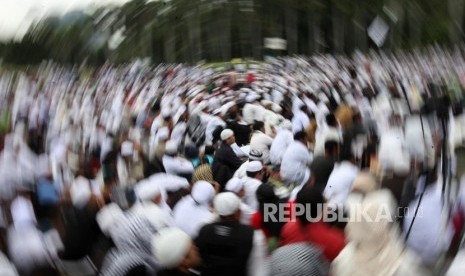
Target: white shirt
{"type": "Point", "coordinates": [430, 236]}
{"type": "Point", "coordinates": [300, 121]}
{"type": "Point", "coordinates": [250, 186]}
{"type": "Point", "coordinates": [177, 165]}
{"type": "Point", "coordinates": [158, 217]}
{"type": "Point", "coordinates": [280, 143]}
{"type": "Point", "coordinates": [261, 142]}
{"type": "Point", "coordinates": [211, 126]}
{"type": "Point", "coordinates": [190, 217]}
{"type": "Point", "coordinates": [256, 262]}
{"type": "Point", "coordinates": [340, 183]}
{"type": "Point", "coordinates": [327, 134]}
{"type": "Point", "coordinates": [242, 171]}
{"type": "Point", "coordinates": [296, 159]}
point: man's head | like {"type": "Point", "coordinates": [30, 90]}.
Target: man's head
{"type": "Point", "coordinates": [331, 120]}
{"type": "Point", "coordinates": [332, 149]}
{"type": "Point", "coordinates": [147, 191]}
{"type": "Point", "coordinates": [227, 136]}
{"type": "Point", "coordinates": [171, 148]}
{"type": "Point", "coordinates": [227, 206]}
{"type": "Point", "coordinates": [301, 136]}
{"type": "Point", "coordinates": [255, 170]}
{"type": "Point", "coordinates": [259, 126]}
{"type": "Point", "coordinates": [235, 185]}
{"type": "Point", "coordinates": [172, 248]}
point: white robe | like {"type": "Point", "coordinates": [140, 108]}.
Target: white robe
{"type": "Point", "coordinates": [300, 121]}
{"type": "Point", "coordinates": [295, 161]}
{"type": "Point", "coordinates": [340, 183]}
{"type": "Point", "coordinates": [190, 217]}
{"type": "Point", "coordinates": [430, 235]}
{"type": "Point", "coordinates": [177, 165]}
{"type": "Point", "coordinates": [279, 146]}
{"type": "Point", "coordinates": [261, 142]}
{"type": "Point", "coordinates": [250, 198]}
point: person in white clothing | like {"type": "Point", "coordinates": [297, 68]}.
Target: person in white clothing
{"type": "Point", "coordinates": [175, 164]}
{"type": "Point", "coordinates": [296, 158]}
{"type": "Point", "coordinates": [340, 182]}
{"type": "Point", "coordinates": [300, 121]}
{"type": "Point", "coordinates": [193, 211]}
{"type": "Point", "coordinates": [280, 143]}
{"type": "Point", "coordinates": [255, 176]}
{"type": "Point", "coordinates": [260, 141]}
{"type": "Point", "coordinates": [236, 185]}
{"type": "Point", "coordinates": [254, 155]}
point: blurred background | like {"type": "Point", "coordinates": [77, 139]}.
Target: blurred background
{"type": "Point", "coordinates": [190, 31]}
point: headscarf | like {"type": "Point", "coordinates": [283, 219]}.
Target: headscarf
{"type": "Point", "coordinates": [375, 247]}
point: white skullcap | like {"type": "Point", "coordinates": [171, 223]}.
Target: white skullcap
{"type": "Point", "coordinates": [235, 185]}
{"type": "Point", "coordinates": [127, 148]}
{"type": "Point", "coordinates": [171, 147]}
{"type": "Point", "coordinates": [80, 192]}
{"type": "Point", "coordinates": [146, 190]}
{"type": "Point", "coordinates": [170, 246]}
{"type": "Point", "coordinates": [226, 203]}
{"type": "Point", "coordinates": [225, 108]}
{"type": "Point", "coordinates": [227, 133]}
{"type": "Point", "coordinates": [254, 166]}
{"type": "Point", "coordinates": [202, 192]}
{"type": "Point", "coordinates": [163, 133]}
{"type": "Point", "coordinates": [107, 216]}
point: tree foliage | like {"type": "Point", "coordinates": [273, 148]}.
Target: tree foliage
{"type": "Point", "coordinates": [217, 30]}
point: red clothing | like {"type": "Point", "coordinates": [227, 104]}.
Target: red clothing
{"type": "Point", "coordinates": [256, 222]}
{"type": "Point", "coordinates": [331, 241]}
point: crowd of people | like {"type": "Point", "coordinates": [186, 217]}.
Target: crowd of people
{"type": "Point", "coordinates": [173, 169]}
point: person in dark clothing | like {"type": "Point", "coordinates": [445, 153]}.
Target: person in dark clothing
{"type": "Point", "coordinates": [322, 166]}
{"type": "Point", "coordinates": [81, 228]}
{"type": "Point", "coordinates": [228, 247]}
{"type": "Point", "coordinates": [225, 162]}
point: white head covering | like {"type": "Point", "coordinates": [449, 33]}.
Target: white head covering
{"type": "Point", "coordinates": [147, 190]}
{"type": "Point", "coordinates": [226, 203]}
{"type": "Point", "coordinates": [127, 148]}
{"type": "Point", "coordinates": [170, 246]}
{"type": "Point", "coordinates": [171, 147]}
{"type": "Point", "coordinates": [107, 216]}
{"type": "Point", "coordinates": [254, 166]}
{"type": "Point", "coordinates": [225, 134]}
{"type": "Point", "coordinates": [202, 192]}
{"type": "Point", "coordinates": [235, 185]}
{"type": "Point", "coordinates": [193, 211]}
{"type": "Point", "coordinates": [80, 192]}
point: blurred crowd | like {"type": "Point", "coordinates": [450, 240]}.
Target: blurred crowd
{"type": "Point", "coordinates": [171, 170]}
